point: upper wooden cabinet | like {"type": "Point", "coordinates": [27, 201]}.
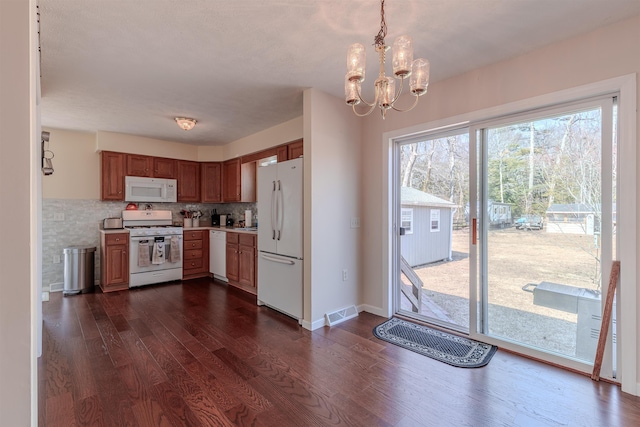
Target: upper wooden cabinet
{"type": "Point", "coordinates": [149, 166]}
{"type": "Point", "coordinates": [188, 181]}
{"type": "Point", "coordinates": [231, 176]}
{"type": "Point", "coordinates": [238, 181]}
{"type": "Point", "coordinates": [112, 175]}
{"type": "Point", "coordinates": [206, 182]}
{"type": "Point", "coordinates": [295, 150]}
{"type": "Point", "coordinates": [283, 153]}
{"type": "Point", "coordinates": [165, 168]}
{"type": "Point", "coordinates": [139, 165]}
{"type": "Point", "coordinates": [211, 173]}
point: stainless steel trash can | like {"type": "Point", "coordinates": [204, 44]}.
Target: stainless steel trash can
{"type": "Point", "coordinates": [79, 263]}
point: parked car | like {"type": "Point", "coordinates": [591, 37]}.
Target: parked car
{"type": "Point", "coordinates": [529, 222]}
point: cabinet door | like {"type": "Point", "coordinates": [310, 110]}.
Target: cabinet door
{"type": "Point", "coordinates": [248, 182]}
{"type": "Point", "coordinates": [112, 175]}
{"type": "Point", "coordinates": [138, 165]}
{"type": "Point", "coordinates": [231, 170]}
{"type": "Point", "coordinates": [117, 265]}
{"type": "Point", "coordinates": [165, 168]}
{"type": "Point", "coordinates": [295, 150]}
{"type": "Point", "coordinates": [247, 265]}
{"type": "Point", "coordinates": [188, 181]}
{"type": "Point", "coordinates": [283, 153]}
{"type": "Point", "coordinates": [211, 182]}
{"type": "Point", "coordinates": [232, 262]}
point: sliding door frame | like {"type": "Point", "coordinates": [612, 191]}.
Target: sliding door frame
{"type": "Point", "coordinates": [625, 88]}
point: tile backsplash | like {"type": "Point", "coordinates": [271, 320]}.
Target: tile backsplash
{"type": "Point", "coordinates": [72, 222]}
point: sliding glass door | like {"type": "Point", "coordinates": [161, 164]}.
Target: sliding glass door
{"type": "Point", "coordinates": [506, 229]}
{"type": "Point", "coordinates": [547, 227]}
{"type": "Point", "coordinates": [433, 206]}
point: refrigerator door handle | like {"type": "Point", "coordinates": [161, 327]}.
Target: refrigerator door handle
{"type": "Point", "coordinates": [280, 208]}
{"type": "Point", "coordinates": [279, 260]}
{"type": "Point", "coordinates": [273, 211]}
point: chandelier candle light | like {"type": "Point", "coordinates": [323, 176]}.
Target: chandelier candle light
{"type": "Point", "coordinates": [385, 87]}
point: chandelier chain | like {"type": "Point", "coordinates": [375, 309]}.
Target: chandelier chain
{"type": "Point", "coordinates": [379, 39]}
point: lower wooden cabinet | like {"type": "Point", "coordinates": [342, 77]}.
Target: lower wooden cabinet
{"type": "Point", "coordinates": [114, 261]}
{"type": "Point", "coordinates": [242, 261]}
{"type": "Point", "coordinates": [195, 249]}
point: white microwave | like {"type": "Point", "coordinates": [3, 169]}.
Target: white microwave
{"type": "Point", "coordinates": [140, 189]}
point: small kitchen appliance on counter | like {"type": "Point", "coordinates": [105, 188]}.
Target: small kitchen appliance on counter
{"type": "Point", "coordinates": [215, 218]}
{"type": "Point", "coordinates": [111, 223]}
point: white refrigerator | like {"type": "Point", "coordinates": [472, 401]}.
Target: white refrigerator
{"type": "Point", "coordinates": [280, 262]}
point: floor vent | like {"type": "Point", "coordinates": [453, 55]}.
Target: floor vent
{"type": "Point", "coordinates": [341, 315]}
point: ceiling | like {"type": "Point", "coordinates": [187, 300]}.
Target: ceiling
{"type": "Point", "coordinates": [241, 66]}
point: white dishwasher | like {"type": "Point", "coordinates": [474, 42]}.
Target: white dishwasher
{"type": "Point", "coordinates": [218, 254]}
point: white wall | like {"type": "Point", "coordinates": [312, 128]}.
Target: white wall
{"type": "Point", "coordinates": [124, 143]}
{"type": "Point", "coordinates": [280, 134]}
{"type": "Point", "coordinates": [332, 196]}
{"type": "Point", "coordinates": [605, 53]}
{"type": "Point", "coordinates": [18, 190]}
{"type": "Point", "coordinates": [76, 166]}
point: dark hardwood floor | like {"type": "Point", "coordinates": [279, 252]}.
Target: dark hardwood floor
{"type": "Point", "coordinates": [200, 354]}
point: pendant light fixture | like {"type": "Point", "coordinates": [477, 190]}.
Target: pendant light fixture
{"type": "Point", "coordinates": [185, 123]}
{"type": "Point", "coordinates": [403, 67]}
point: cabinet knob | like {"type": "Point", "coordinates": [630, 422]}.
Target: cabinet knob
{"type": "Point", "coordinates": [117, 239]}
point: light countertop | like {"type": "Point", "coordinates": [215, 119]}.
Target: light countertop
{"type": "Point", "coordinates": [115, 231]}
{"type": "Point", "coordinates": [225, 229]}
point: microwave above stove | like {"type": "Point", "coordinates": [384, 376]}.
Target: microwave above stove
{"type": "Point", "coordinates": [140, 189]}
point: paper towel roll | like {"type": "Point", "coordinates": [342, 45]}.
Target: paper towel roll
{"type": "Point", "coordinates": [247, 218]}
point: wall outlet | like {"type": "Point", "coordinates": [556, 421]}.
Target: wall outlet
{"type": "Point", "coordinates": [344, 275]}
{"type": "Point", "coordinates": [56, 259]}
{"type": "Point", "coordinates": [355, 222]}
{"type": "Point", "coordinates": [58, 216]}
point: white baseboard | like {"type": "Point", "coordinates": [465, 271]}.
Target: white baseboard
{"type": "Point", "coordinates": [378, 311]}
{"type": "Point", "coordinates": [54, 287]}
{"type": "Point", "coordinates": [312, 326]}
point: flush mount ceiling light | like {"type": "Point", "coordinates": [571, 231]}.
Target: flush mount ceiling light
{"type": "Point", "coordinates": [403, 66]}
{"type": "Point", "coordinates": [185, 123]}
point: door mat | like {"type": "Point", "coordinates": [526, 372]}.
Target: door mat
{"type": "Point", "coordinates": [452, 349]}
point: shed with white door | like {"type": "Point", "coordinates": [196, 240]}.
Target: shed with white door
{"type": "Point", "coordinates": [428, 224]}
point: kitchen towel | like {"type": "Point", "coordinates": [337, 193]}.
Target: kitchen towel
{"type": "Point", "coordinates": [174, 249]}
{"type": "Point", "coordinates": [247, 218]}
{"type": "Point", "coordinates": [158, 251]}
{"type": "Point", "coordinates": [144, 256]}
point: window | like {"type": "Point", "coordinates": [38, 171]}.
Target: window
{"type": "Point", "coordinates": [407, 220]}
{"type": "Point", "coordinates": [272, 160]}
{"type": "Point", "coordinates": [435, 220]}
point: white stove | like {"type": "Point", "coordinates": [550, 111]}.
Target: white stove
{"type": "Point", "coordinates": [155, 247]}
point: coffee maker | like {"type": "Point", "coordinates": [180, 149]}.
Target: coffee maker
{"type": "Point", "coordinates": [215, 218]}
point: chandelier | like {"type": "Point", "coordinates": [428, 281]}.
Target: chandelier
{"type": "Point", "coordinates": [385, 87]}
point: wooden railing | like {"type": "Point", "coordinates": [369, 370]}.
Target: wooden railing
{"type": "Point", "coordinates": [414, 296]}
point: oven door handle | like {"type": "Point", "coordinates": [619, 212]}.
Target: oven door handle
{"type": "Point", "coordinates": [150, 238]}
